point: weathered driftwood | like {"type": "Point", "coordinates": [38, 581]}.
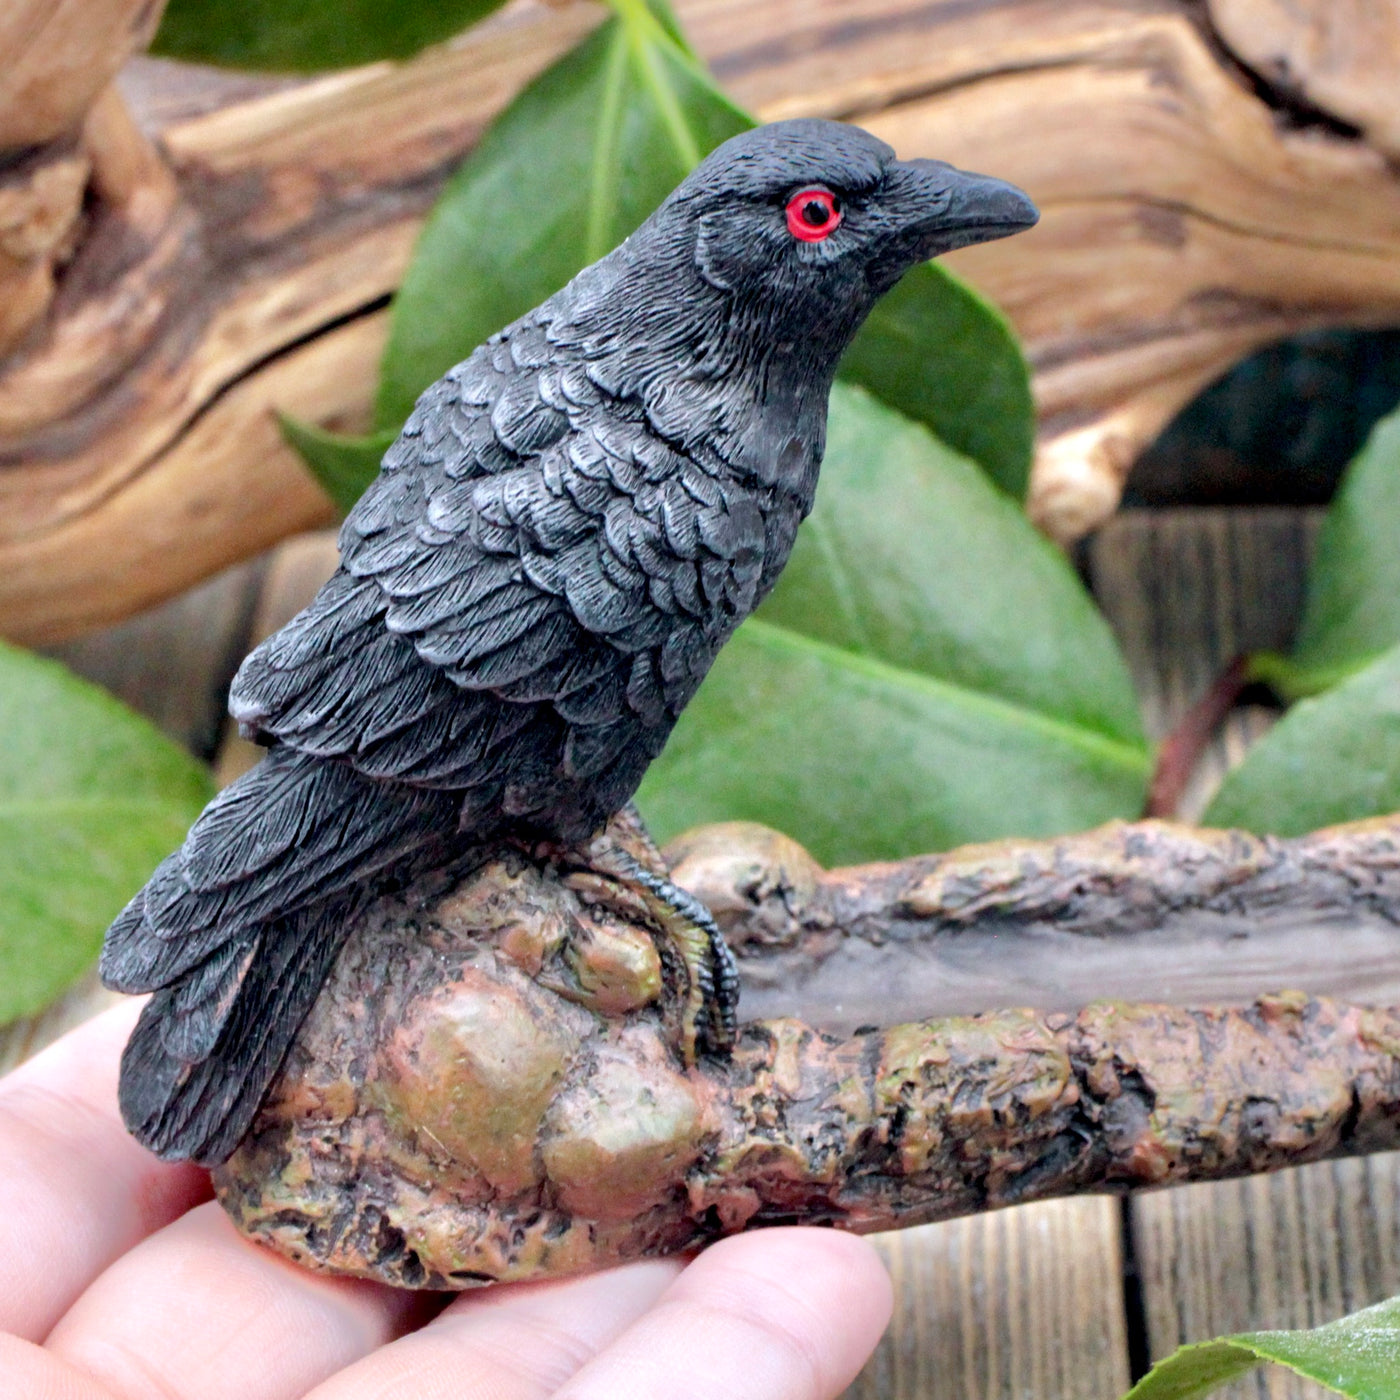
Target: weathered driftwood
{"type": "Point", "coordinates": [488, 1088]}
{"type": "Point", "coordinates": [1336, 57]}
{"type": "Point", "coordinates": [240, 240]}
{"type": "Point", "coordinates": [60, 59]}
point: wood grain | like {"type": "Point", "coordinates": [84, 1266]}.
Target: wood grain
{"type": "Point", "coordinates": [298, 208]}
{"type": "Point", "coordinates": [173, 663]}
{"type": "Point", "coordinates": [60, 57]}
{"type": "Point", "coordinates": [1019, 1303]}
{"type": "Point", "coordinates": [1334, 55]}
{"type": "Point", "coordinates": [59, 54]}
{"type": "Point", "coordinates": [1187, 219]}
{"type": "Point", "coordinates": [232, 484]}
{"type": "Point", "coordinates": [1295, 1249]}
{"type": "Point", "coordinates": [1186, 590]}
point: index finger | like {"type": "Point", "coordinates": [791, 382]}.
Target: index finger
{"type": "Point", "coordinates": [787, 1313]}
{"type": "Point", "coordinates": [78, 1190]}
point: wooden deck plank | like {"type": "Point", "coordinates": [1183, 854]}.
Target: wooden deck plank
{"type": "Point", "coordinates": [1291, 1250]}
{"type": "Point", "coordinates": [174, 663]}
{"type": "Point", "coordinates": [1187, 590]}
{"type": "Point", "coordinates": [1019, 1303]}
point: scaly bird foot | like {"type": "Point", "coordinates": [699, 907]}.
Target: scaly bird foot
{"type": "Point", "coordinates": [625, 853]}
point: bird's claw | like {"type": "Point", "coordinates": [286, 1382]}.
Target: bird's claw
{"type": "Point", "coordinates": [687, 936]}
{"type": "Point", "coordinates": [709, 1019]}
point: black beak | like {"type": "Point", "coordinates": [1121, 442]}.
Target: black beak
{"type": "Point", "coordinates": [943, 208]}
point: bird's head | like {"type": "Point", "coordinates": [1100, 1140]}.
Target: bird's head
{"type": "Point", "coordinates": [727, 312]}
{"type": "Point", "coordinates": [813, 220]}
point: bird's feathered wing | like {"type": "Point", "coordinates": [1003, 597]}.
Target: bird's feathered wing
{"type": "Point", "coordinates": [529, 594]}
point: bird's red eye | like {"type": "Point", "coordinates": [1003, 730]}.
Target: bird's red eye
{"type": "Point", "coordinates": [813, 214]}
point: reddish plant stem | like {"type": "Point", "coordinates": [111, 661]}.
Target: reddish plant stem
{"type": "Point", "coordinates": [1182, 749]}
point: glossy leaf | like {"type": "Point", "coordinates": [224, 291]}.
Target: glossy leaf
{"type": "Point", "coordinates": [91, 798]}
{"type": "Point", "coordinates": [1333, 758]}
{"type": "Point", "coordinates": [309, 35]}
{"type": "Point", "coordinates": [344, 465]}
{"type": "Point", "coordinates": [937, 351]}
{"type": "Point", "coordinates": [1352, 612]}
{"type": "Point", "coordinates": [567, 171]}
{"type": "Point", "coordinates": [929, 671]}
{"type": "Point", "coordinates": [1357, 1356]}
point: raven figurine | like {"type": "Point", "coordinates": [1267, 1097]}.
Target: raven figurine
{"type": "Point", "coordinates": [572, 523]}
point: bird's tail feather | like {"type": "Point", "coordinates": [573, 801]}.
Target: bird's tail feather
{"type": "Point", "coordinates": [182, 1096]}
{"type": "Point", "coordinates": [237, 930]}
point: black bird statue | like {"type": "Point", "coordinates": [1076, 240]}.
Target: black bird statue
{"type": "Point", "coordinates": [572, 523]}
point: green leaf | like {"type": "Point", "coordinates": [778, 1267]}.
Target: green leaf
{"type": "Point", "coordinates": [91, 798]}
{"type": "Point", "coordinates": [1334, 758]}
{"type": "Point", "coordinates": [1357, 1356]}
{"type": "Point", "coordinates": [567, 171]}
{"type": "Point", "coordinates": [937, 351]}
{"type": "Point", "coordinates": [344, 465]}
{"type": "Point", "coordinates": [929, 671]}
{"type": "Point", "coordinates": [309, 35]}
{"type": "Point", "coordinates": [1352, 613]}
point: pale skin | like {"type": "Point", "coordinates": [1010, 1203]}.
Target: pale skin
{"type": "Point", "coordinates": [120, 1279]}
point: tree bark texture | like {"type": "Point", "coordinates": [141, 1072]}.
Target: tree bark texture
{"type": "Point", "coordinates": [488, 1088]}
{"type": "Point", "coordinates": [184, 256]}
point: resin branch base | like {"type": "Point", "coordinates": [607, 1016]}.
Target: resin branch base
{"type": "Point", "coordinates": [489, 1089]}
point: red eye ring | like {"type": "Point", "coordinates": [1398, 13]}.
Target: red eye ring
{"type": "Point", "coordinates": [813, 214]}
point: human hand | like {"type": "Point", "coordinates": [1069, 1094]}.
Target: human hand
{"type": "Point", "coordinates": [120, 1279]}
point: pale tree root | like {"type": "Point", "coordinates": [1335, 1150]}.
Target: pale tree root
{"type": "Point", "coordinates": [490, 1089]}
